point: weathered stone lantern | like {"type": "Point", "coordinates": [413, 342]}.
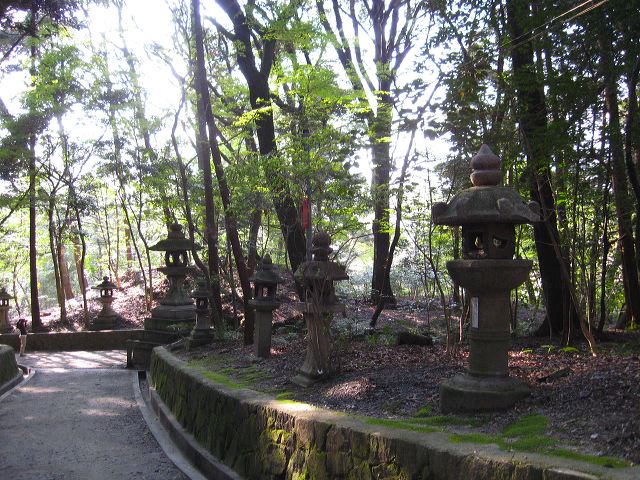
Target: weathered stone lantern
{"type": "Point", "coordinates": [4, 311]}
{"type": "Point", "coordinates": [177, 306]}
{"type": "Point", "coordinates": [202, 333]}
{"type": "Point", "coordinates": [106, 319]}
{"type": "Point", "coordinates": [265, 284]}
{"type": "Point", "coordinates": [316, 278]}
{"type": "Point", "coordinates": [488, 214]}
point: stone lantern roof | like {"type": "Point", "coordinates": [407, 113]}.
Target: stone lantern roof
{"type": "Point", "coordinates": [486, 202]}
{"type": "Point", "coordinates": [320, 269]}
{"type": "Point", "coordinates": [265, 274]}
{"type": "Point", "coordinates": [106, 284]}
{"type": "Point", "coordinates": [175, 241]}
{"type": "Point", "coordinates": [4, 295]}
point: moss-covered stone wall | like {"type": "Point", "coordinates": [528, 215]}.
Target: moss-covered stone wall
{"type": "Point", "coordinates": [8, 365]}
{"type": "Point", "coordinates": [262, 438]}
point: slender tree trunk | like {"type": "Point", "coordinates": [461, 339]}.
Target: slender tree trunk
{"type": "Point", "coordinates": [225, 193]}
{"type": "Point", "coordinates": [80, 253]}
{"type": "Point", "coordinates": [382, 300]}
{"type": "Point", "coordinates": [14, 285]}
{"type": "Point", "coordinates": [380, 280]}
{"type": "Point", "coordinates": [55, 256]}
{"type": "Point", "coordinates": [254, 229]}
{"type": "Point", "coordinates": [260, 97]}
{"type": "Point", "coordinates": [127, 244]}
{"type": "Point", "coordinates": [622, 199]}
{"type": "Point", "coordinates": [533, 125]}
{"type": "Point", "coordinates": [36, 321]}
{"type": "Point", "coordinates": [64, 272]}
{"type": "Point", "coordinates": [216, 311]}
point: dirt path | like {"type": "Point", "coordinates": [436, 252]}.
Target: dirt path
{"type": "Point", "coordinates": [77, 418]}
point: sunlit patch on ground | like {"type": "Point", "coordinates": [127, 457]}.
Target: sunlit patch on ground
{"type": "Point", "coordinates": [80, 359]}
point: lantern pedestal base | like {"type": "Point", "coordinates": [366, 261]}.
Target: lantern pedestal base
{"type": "Point", "coordinates": [5, 326]}
{"type": "Point", "coordinates": [468, 393]}
{"type": "Point", "coordinates": [104, 322]}
{"type": "Point", "coordinates": [200, 336]}
{"type": "Point", "coordinates": [164, 317]}
{"type": "Point", "coordinates": [317, 364]}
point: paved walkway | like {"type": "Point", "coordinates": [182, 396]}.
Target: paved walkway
{"type": "Point", "coordinates": [77, 418]}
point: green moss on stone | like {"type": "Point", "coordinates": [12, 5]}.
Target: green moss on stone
{"type": "Point", "coordinates": [480, 438]}
{"type": "Point", "coordinates": [604, 461]}
{"type": "Point", "coordinates": [404, 425]}
{"type": "Point", "coordinates": [528, 425]}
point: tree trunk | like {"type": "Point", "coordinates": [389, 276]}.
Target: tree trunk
{"type": "Point", "coordinates": [64, 272]}
{"type": "Point", "coordinates": [622, 199]}
{"type": "Point", "coordinates": [380, 280]}
{"type": "Point", "coordinates": [216, 310]}
{"type": "Point", "coordinates": [36, 321]}
{"type": "Point", "coordinates": [260, 97]}
{"type": "Point", "coordinates": [532, 114]}
{"type": "Point", "coordinates": [127, 244]}
{"type": "Point", "coordinates": [225, 193]}
{"type": "Point", "coordinates": [55, 257]}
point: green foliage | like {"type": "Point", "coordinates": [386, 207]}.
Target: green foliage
{"type": "Point", "coordinates": [528, 425]}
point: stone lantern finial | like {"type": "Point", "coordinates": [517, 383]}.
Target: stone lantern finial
{"type": "Point", "coordinates": [485, 167]}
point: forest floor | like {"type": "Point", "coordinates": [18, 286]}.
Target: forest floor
{"type": "Point", "coordinates": [589, 403]}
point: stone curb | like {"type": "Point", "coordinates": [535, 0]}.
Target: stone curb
{"type": "Point", "coordinates": [260, 437]}
{"type": "Point", "coordinates": [203, 460]}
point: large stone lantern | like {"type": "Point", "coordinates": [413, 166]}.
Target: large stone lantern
{"type": "Point", "coordinates": [106, 319]}
{"type": "Point", "coordinates": [316, 278]}
{"type": "Point", "coordinates": [4, 311]}
{"type": "Point", "coordinates": [265, 285]}
{"type": "Point", "coordinates": [488, 214]}
{"type": "Point", "coordinates": [202, 333]}
{"type": "Point", "coordinates": [177, 306]}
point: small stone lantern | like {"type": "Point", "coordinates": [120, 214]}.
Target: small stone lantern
{"type": "Point", "coordinates": [202, 333]}
{"type": "Point", "coordinates": [265, 284]}
{"type": "Point", "coordinates": [106, 319]}
{"type": "Point", "coordinates": [4, 311]}
{"type": "Point", "coordinates": [488, 214]}
{"type": "Point", "coordinates": [317, 277]}
{"type": "Point", "coordinates": [177, 306]}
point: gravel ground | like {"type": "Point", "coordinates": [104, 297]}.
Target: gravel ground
{"type": "Point", "coordinates": [77, 418]}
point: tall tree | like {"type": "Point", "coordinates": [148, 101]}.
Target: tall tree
{"type": "Point", "coordinates": [250, 36]}
{"type": "Point", "coordinates": [204, 107]}
{"type": "Point", "coordinates": [532, 116]}
{"type": "Point", "coordinates": [619, 177]}
{"type": "Point", "coordinates": [392, 26]}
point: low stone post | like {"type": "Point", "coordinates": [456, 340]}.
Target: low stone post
{"type": "Point", "coordinates": [106, 319]}
{"type": "Point", "coordinates": [488, 214]}
{"type": "Point", "coordinates": [202, 333]}
{"type": "Point", "coordinates": [265, 285]}
{"type": "Point", "coordinates": [4, 311]}
{"type": "Point", "coordinates": [317, 277]}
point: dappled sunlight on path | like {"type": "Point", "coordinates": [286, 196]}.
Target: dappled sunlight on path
{"type": "Point", "coordinates": [75, 360]}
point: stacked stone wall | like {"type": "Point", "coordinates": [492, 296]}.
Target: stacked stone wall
{"type": "Point", "coordinates": [259, 437]}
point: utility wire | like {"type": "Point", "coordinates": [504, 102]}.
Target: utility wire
{"type": "Point", "coordinates": [513, 45]}
{"type": "Point", "coordinates": [550, 21]}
